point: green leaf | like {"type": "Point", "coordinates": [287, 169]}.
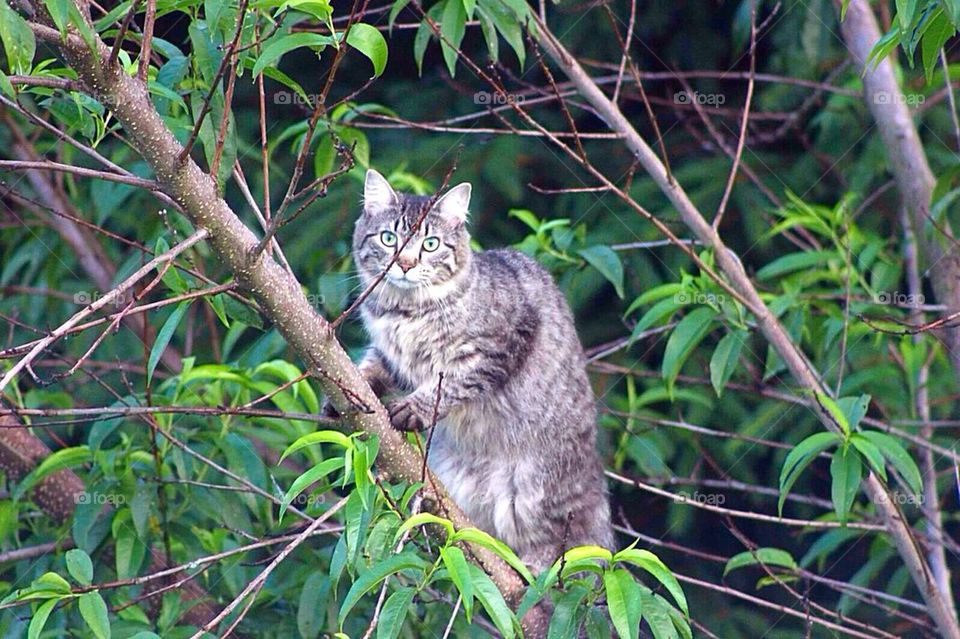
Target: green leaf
{"type": "Point", "coordinates": [489, 31]}
{"type": "Point", "coordinates": [845, 470]}
{"type": "Point", "coordinates": [79, 566]}
{"type": "Point", "coordinates": [376, 574]}
{"type": "Point", "coordinates": [500, 549]}
{"type": "Point", "coordinates": [526, 216]}
{"type": "Point", "coordinates": [398, 6]}
{"type": "Point", "coordinates": [52, 582]}
{"type": "Point", "coordinates": [605, 260]}
{"type": "Point", "coordinates": [854, 409]}
{"type": "Point", "coordinates": [939, 30]}
{"type": "Point", "coordinates": [597, 626]}
{"type": "Point", "coordinates": [172, 277]}
{"type": "Point", "coordinates": [364, 454]}
{"type": "Point", "coordinates": [952, 7]}
{"type": "Point", "coordinates": [898, 457]}
{"type": "Point", "coordinates": [40, 617]}
{"type": "Point", "coordinates": [164, 336]}
{"type": "Point", "coordinates": [6, 87]}
{"type": "Point", "coordinates": [884, 46]}
{"type": "Point", "coordinates": [130, 550]}
{"type": "Point", "coordinates": [421, 519]}
{"type": "Point", "coordinates": [794, 262]}
{"type": "Point", "coordinates": [287, 43]}
{"type": "Point", "coordinates": [315, 474]}
{"type": "Point", "coordinates": [661, 617]}
{"type": "Point", "coordinates": [799, 458]}
{"type": "Point", "coordinates": [827, 543]}
{"type": "Point", "coordinates": [319, 437]}
{"type": "Point", "coordinates": [311, 608]}
{"type": "Point", "coordinates": [567, 614]}
{"type": "Point", "coordinates": [357, 140]}
{"type": "Point", "coordinates": [663, 291]}
{"type": "Point", "coordinates": [587, 552]}
{"type": "Point", "coordinates": [93, 609]}
{"type": "Point", "coordinates": [18, 40]}
{"type": "Point", "coordinates": [839, 417]}
{"type": "Point", "coordinates": [420, 42]}
{"type": "Point", "coordinates": [370, 42]}
{"type": "Point", "coordinates": [871, 453]}
{"type": "Point", "coordinates": [685, 337]}
{"type": "Point", "coordinates": [456, 563]}
{"type": "Point", "coordinates": [905, 12]}
{"type": "Point", "coordinates": [658, 313]}
{"type": "Point", "coordinates": [765, 556]}
{"type": "Point", "coordinates": [64, 458]}
{"type": "Point", "coordinates": [492, 601]}
{"type": "Point", "coordinates": [623, 601]}
{"type": "Point", "coordinates": [319, 9]}
{"type": "Point", "coordinates": [86, 33]}
{"type": "Point", "coordinates": [724, 359]}
{"type": "Point", "coordinates": [452, 28]}
{"type": "Point", "coordinates": [59, 10]}
{"type": "Point", "coordinates": [652, 564]}
{"type": "Point", "coordinates": [509, 26]}
{"type": "Point", "coordinates": [394, 612]}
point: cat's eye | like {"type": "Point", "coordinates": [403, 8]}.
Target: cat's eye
{"type": "Point", "coordinates": [431, 244]}
{"type": "Point", "coordinates": [389, 238]}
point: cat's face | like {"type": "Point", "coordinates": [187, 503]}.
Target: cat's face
{"type": "Point", "coordinates": [434, 254]}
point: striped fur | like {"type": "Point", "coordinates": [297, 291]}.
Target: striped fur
{"type": "Point", "coordinates": [515, 441]}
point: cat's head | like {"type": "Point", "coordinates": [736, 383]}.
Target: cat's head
{"type": "Point", "coordinates": [436, 252]}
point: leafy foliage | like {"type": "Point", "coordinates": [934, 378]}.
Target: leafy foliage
{"type": "Point", "coordinates": [689, 391]}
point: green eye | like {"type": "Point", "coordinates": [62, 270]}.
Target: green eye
{"type": "Point", "coordinates": [431, 244]}
{"type": "Point", "coordinates": [388, 238]}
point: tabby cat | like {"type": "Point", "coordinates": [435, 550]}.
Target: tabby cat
{"type": "Point", "coordinates": [515, 442]}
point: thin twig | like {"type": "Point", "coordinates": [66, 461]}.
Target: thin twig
{"type": "Point", "coordinates": [741, 142]}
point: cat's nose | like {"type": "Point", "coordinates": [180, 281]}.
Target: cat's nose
{"type": "Point", "coordinates": [406, 263]}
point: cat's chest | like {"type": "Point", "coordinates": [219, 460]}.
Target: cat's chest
{"type": "Point", "coordinates": [418, 348]}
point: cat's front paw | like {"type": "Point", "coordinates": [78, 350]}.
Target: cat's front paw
{"type": "Point", "coordinates": [409, 415]}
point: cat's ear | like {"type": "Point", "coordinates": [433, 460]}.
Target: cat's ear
{"type": "Point", "coordinates": [455, 203]}
{"type": "Point", "coordinates": [377, 193]}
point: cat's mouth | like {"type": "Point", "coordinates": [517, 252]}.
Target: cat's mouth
{"type": "Point", "coordinates": [403, 280]}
